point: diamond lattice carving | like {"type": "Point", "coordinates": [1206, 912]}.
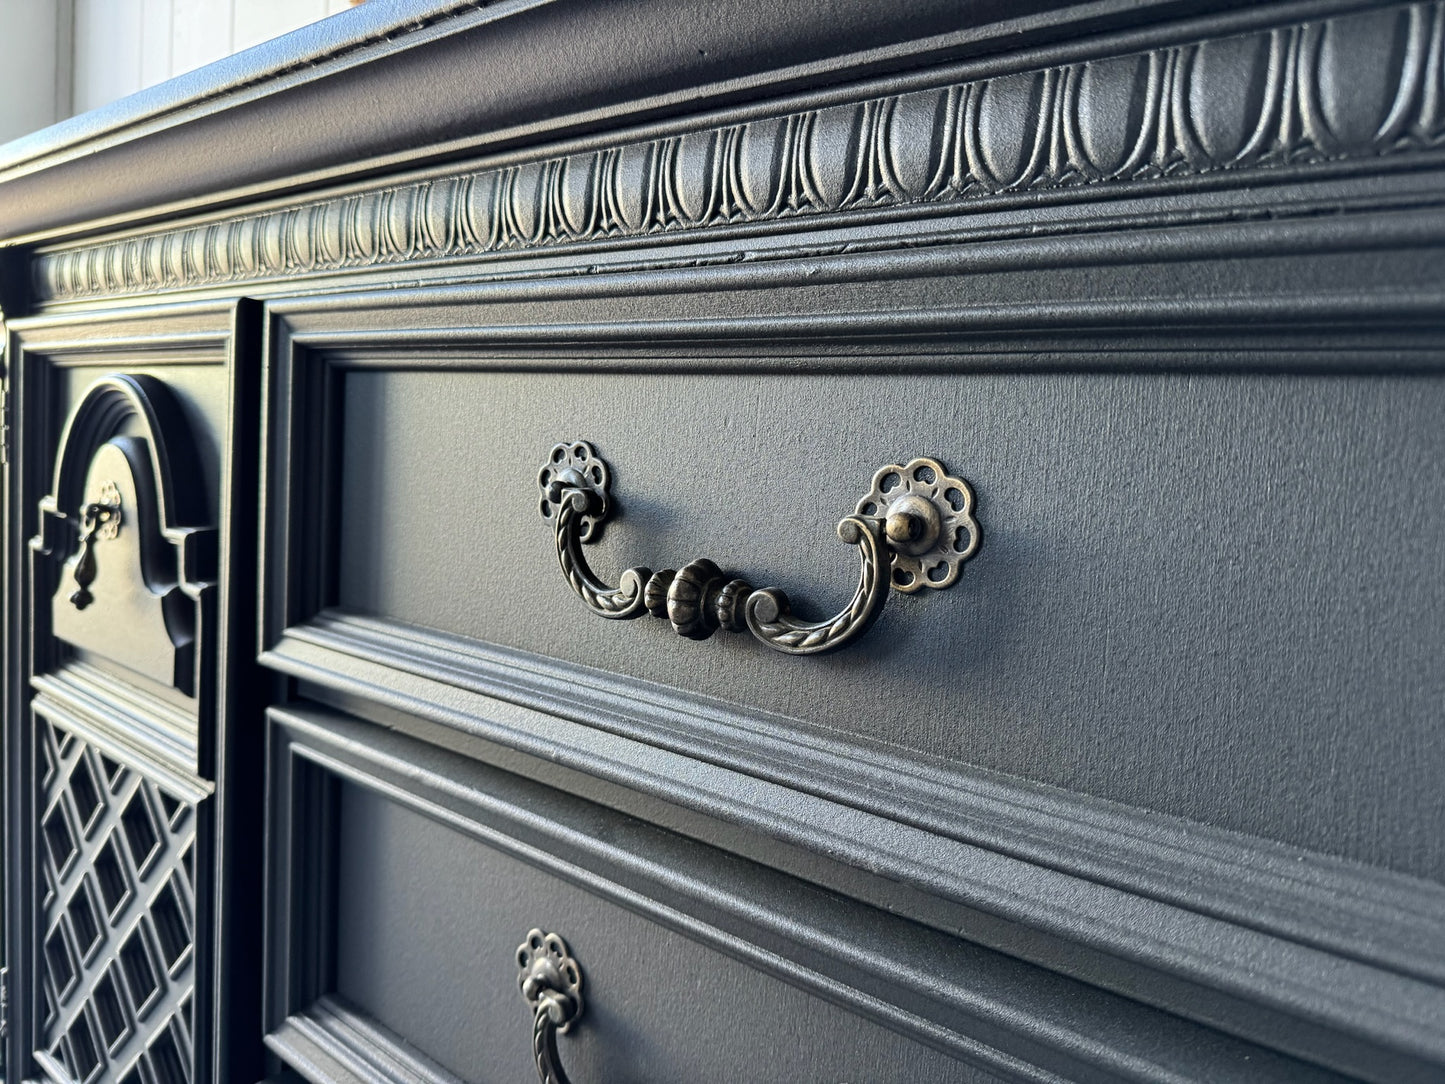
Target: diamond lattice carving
{"type": "Point", "coordinates": [118, 918]}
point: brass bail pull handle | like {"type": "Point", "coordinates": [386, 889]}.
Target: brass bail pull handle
{"type": "Point", "coordinates": [99, 521]}
{"type": "Point", "coordinates": [913, 529]}
{"type": "Point", "coordinates": [551, 985]}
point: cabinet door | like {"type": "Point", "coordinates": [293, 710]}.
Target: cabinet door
{"type": "Point", "coordinates": [120, 619]}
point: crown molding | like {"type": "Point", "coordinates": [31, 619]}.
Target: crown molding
{"type": "Point", "coordinates": [1098, 130]}
{"type": "Point", "coordinates": [403, 83]}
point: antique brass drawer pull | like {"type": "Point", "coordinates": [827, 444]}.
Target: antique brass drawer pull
{"type": "Point", "coordinates": [99, 521]}
{"type": "Point", "coordinates": [551, 984]}
{"type": "Point", "coordinates": [913, 529]}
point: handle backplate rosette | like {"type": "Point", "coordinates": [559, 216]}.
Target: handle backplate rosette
{"type": "Point", "coordinates": [928, 522]}
{"type": "Point", "coordinates": [551, 984]}
{"type": "Point", "coordinates": [577, 466]}
{"type": "Point", "coordinates": [106, 500]}
{"type": "Point", "coordinates": [550, 980]}
{"type": "Point", "coordinates": [574, 484]}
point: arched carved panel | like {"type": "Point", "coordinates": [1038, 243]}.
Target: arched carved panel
{"type": "Point", "coordinates": [124, 553]}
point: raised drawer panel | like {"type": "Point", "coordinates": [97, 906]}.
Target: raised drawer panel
{"type": "Point", "coordinates": [1195, 593]}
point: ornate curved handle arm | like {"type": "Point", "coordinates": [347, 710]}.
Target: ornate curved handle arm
{"type": "Point", "coordinates": [99, 520]}
{"type": "Point", "coordinates": [914, 529]}
{"type": "Point", "coordinates": [574, 487]}
{"type": "Point", "coordinates": [551, 984]}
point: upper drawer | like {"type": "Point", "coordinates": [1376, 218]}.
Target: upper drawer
{"type": "Point", "coordinates": [1211, 590]}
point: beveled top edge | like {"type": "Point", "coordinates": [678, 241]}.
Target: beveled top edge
{"type": "Point", "coordinates": [328, 39]}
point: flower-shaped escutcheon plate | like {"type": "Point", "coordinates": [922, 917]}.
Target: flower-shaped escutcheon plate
{"type": "Point", "coordinates": [930, 524]}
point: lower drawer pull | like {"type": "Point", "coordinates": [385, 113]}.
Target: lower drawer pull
{"type": "Point", "coordinates": [913, 529]}
{"type": "Point", "coordinates": [551, 984]}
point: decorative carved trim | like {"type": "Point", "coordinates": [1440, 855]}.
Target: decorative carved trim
{"type": "Point", "coordinates": [152, 614]}
{"type": "Point", "coordinates": [1360, 87]}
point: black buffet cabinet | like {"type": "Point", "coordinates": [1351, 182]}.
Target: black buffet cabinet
{"type": "Point", "coordinates": [734, 542]}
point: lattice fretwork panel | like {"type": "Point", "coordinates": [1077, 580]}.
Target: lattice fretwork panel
{"type": "Point", "coordinates": [117, 854]}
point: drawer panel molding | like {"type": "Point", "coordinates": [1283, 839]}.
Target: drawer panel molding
{"type": "Point", "coordinates": [127, 509]}
{"type": "Point", "coordinates": [1270, 942]}
{"type": "Point", "coordinates": [355, 406]}
{"type": "Point", "coordinates": [331, 1040]}
{"type": "Point", "coordinates": [1244, 932]}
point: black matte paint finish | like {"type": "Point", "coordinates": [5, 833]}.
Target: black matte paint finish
{"type": "Point", "coordinates": [1152, 793]}
{"type": "Point", "coordinates": [182, 739]}
{"type": "Point", "coordinates": [417, 953]}
{"type": "Point", "coordinates": [1144, 534]}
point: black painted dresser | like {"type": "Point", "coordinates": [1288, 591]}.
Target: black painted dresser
{"type": "Point", "coordinates": [744, 542]}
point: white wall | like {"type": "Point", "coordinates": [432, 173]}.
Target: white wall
{"type": "Point", "coordinates": [124, 45]}
{"type": "Point", "coordinates": [67, 56]}
{"type": "Point", "coordinates": [35, 75]}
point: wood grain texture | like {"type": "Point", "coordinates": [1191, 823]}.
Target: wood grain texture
{"type": "Point", "coordinates": [1242, 108]}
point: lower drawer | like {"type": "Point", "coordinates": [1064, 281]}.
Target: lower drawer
{"type": "Point", "coordinates": [428, 926]}
{"type": "Point", "coordinates": [397, 953]}
{"type": "Point", "coordinates": [405, 877]}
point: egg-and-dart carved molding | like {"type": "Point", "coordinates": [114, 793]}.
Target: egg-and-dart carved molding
{"type": "Point", "coordinates": [1360, 87]}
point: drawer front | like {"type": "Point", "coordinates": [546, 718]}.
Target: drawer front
{"type": "Point", "coordinates": [420, 882]}
{"type": "Point", "coordinates": [428, 924]}
{"type": "Point", "coordinates": [402, 941]}
{"type": "Point", "coordinates": [1174, 572]}
{"type": "Point", "coordinates": [1177, 569]}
